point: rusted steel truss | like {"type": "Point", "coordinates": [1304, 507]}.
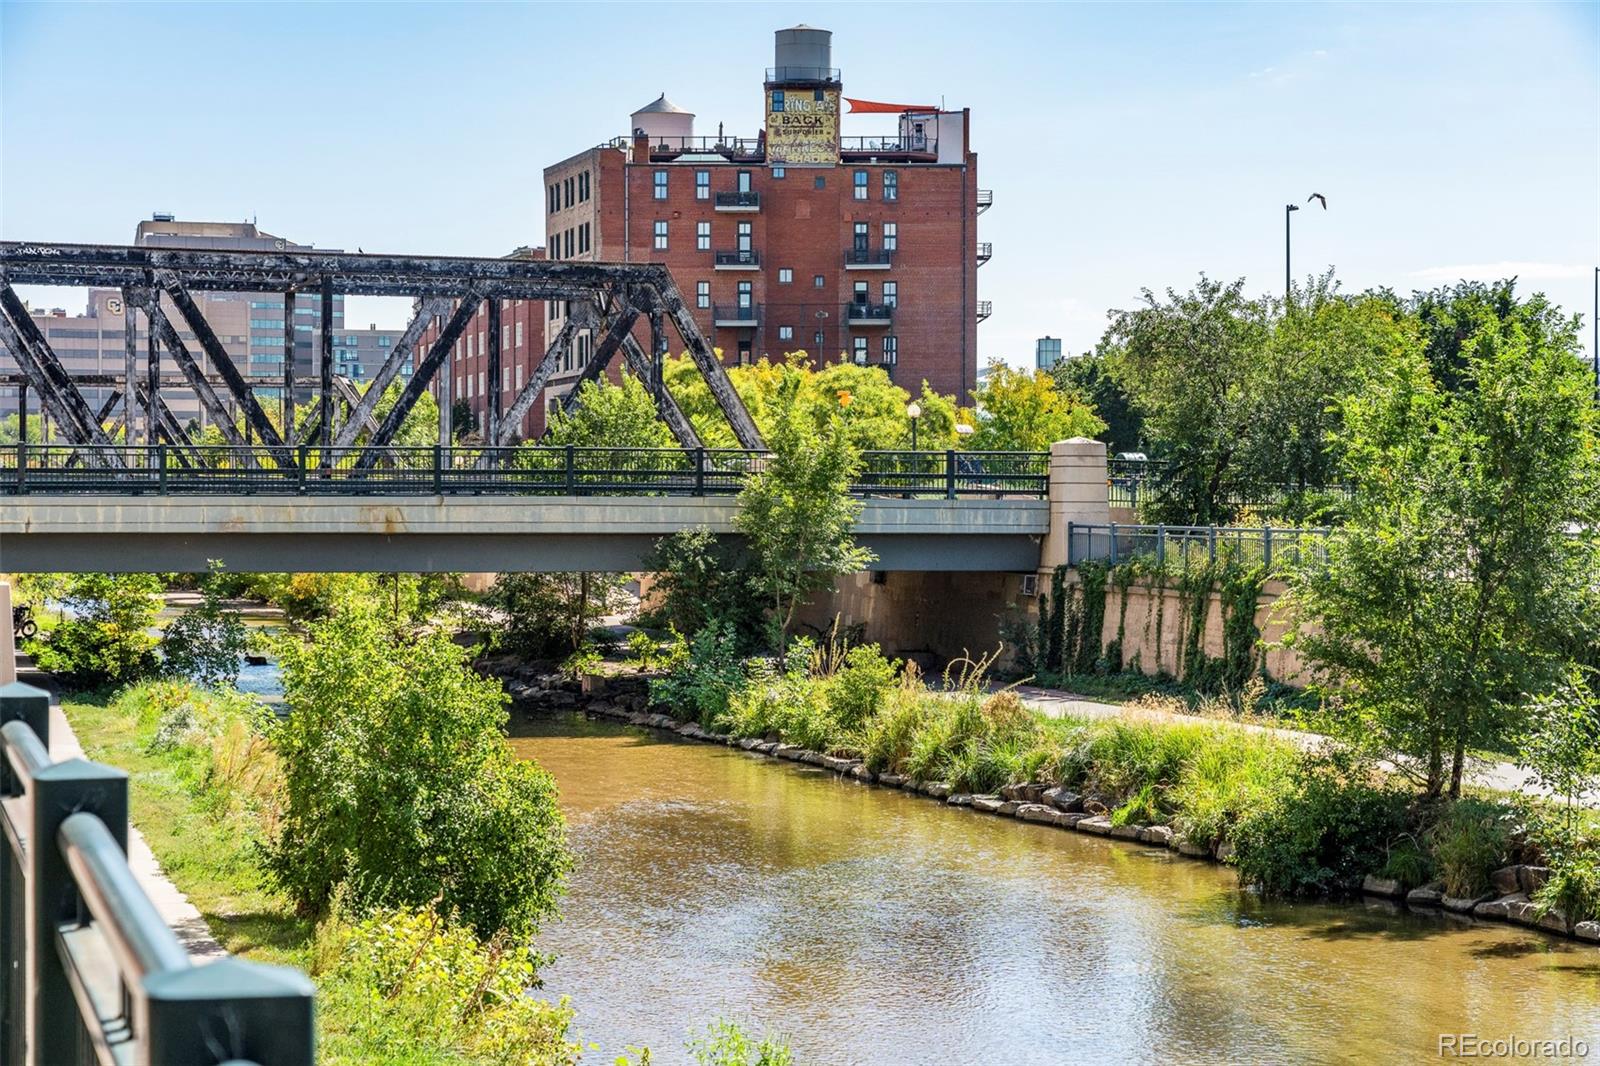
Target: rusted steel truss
{"type": "Point", "coordinates": [444, 287]}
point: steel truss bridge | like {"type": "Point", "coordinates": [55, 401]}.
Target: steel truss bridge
{"type": "Point", "coordinates": [611, 298]}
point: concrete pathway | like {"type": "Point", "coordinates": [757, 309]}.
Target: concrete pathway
{"type": "Point", "coordinates": [174, 907]}
{"type": "Point", "coordinates": [1485, 773]}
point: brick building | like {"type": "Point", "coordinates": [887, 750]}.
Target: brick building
{"type": "Point", "coordinates": [794, 239]}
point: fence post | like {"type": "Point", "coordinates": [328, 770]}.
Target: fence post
{"type": "Point", "coordinates": [30, 706]}
{"type": "Point", "coordinates": [1266, 547]}
{"type": "Point", "coordinates": [268, 1012]}
{"type": "Point", "coordinates": [700, 471]}
{"type": "Point", "coordinates": [1211, 541]}
{"type": "Point", "coordinates": [59, 791]}
{"type": "Point", "coordinates": [161, 468]}
{"type": "Point", "coordinates": [302, 460]}
{"type": "Point", "coordinates": [1113, 544]}
{"type": "Point", "coordinates": [438, 470]}
{"type": "Point", "coordinates": [950, 474]}
{"type": "Point", "coordinates": [1161, 545]}
{"type": "Point", "coordinates": [571, 480]}
{"type": "Point", "coordinates": [22, 467]}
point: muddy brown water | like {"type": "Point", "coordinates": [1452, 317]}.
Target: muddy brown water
{"type": "Point", "coordinates": [871, 926]}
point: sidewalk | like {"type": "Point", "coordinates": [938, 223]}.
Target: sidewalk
{"type": "Point", "coordinates": [1501, 776]}
{"type": "Point", "coordinates": [183, 917]}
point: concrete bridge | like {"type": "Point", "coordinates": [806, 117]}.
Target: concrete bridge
{"type": "Point", "coordinates": [930, 512]}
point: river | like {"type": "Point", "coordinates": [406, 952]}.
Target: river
{"type": "Point", "coordinates": [871, 926]}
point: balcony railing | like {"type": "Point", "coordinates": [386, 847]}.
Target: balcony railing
{"type": "Point", "coordinates": [909, 144]}
{"type": "Point", "coordinates": [746, 259]}
{"type": "Point", "coordinates": [985, 200]}
{"type": "Point", "coordinates": [738, 201]}
{"type": "Point", "coordinates": [864, 314]}
{"type": "Point", "coordinates": [985, 309]}
{"type": "Point", "coordinates": [868, 258]}
{"type": "Point", "coordinates": [825, 75]}
{"type": "Point", "coordinates": [738, 148]}
{"type": "Point", "coordinates": [985, 252]}
{"type": "Point", "coordinates": [735, 315]}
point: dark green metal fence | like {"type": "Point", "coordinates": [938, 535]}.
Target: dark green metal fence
{"type": "Point", "coordinates": [473, 470]}
{"type": "Point", "coordinates": [91, 973]}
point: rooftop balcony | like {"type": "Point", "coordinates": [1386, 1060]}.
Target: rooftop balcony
{"type": "Point", "coordinates": [732, 149]}
{"type": "Point", "coordinates": [985, 252]}
{"type": "Point", "coordinates": [738, 201]}
{"type": "Point", "coordinates": [911, 146]}
{"type": "Point", "coordinates": [736, 316]}
{"type": "Point", "coordinates": [738, 260]}
{"type": "Point", "coordinates": [858, 313]}
{"type": "Point", "coordinates": [868, 258]}
{"type": "Point", "coordinates": [808, 75]}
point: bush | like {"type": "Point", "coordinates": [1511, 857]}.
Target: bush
{"type": "Point", "coordinates": [409, 982]}
{"type": "Point", "coordinates": [105, 640]}
{"type": "Point", "coordinates": [1467, 844]}
{"type": "Point", "coordinates": [1223, 779]}
{"type": "Point", "coordinates": [401, 787]}
{"type": "Point", "coordinates": [782, 697]}
{"type": "Point", "coordinates": [703, 682]}
{"type": "Point", "coordinates": [1320, 835]}
{"type": "Point", "coordinates": [205, 642]}
{"type": "Point", "coordinates": [701, 581]}
{"type": "Point", "coordinates": [547, 616]}
{"type": "Point", "coordinates": [857, 691]}
{"type": "Point", "coordinates": [726, 1044]}
{"type": "Point", "coordinates": [1573, 887]}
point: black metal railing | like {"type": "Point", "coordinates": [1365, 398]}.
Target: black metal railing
{"type": "Point", "coordinates": [92, 974]}
{"type": "Point", "coordinates": [868, 257]}
{"type": "Point", "coordinates": [477, 470]}
{"type": "Point", "coordinates": [746, 257]}
{"type": "Point", "coordinates": [1144, 483]}
{"type": "Point", "coordinates": [910, 144]}
{"type": "Point", "coordinates": [736, 314]}
{"type": "Point", "coordinates": [857, 312]}
{"type": "Point", "coordinates": [738, 199]}
{"type": "Point", "coordinates": [746, 148]}
{"type": "Point", "coordinates": [808, 74]}
{"type": "Point", "coordinates": [1182, 546]}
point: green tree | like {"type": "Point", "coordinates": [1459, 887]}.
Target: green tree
{"type": "Point", "coordinates": [1454, 587]}
{"type": "Point", "coordinates": [1025, 411]}
{"type": "Point", "coordinates": [700, 581]}
{"type": "Point", "coordinates": [1091, 378]}
{"type": "Point", "coordinates": [1561, 745]}
{"type": "Point", "coordinates": [104, 638]}
{"type": "Point", "coordinates": [796, 512]}
{"type": "Point", "coordinates": [549, 615]}
{"type": "Point", "coordinates": [400, 787]}
{"type": "Point", "coordinates": [1452, 316]}
{"type": "Point", "coordinates": [207, 641]}
{"type": "Point", "coordinates": [611, 416]}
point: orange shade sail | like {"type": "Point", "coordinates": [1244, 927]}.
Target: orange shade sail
{"type": "Point", "coordinates": [873, 107]}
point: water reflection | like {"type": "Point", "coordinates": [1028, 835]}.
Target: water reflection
{"type": "Point", "coordinates": [876, 927]}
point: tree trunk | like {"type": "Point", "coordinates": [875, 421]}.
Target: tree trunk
{"type": "Point", "coordinates": [1435, 765]}
{"type": "Point", "coordinates": [1459, 765]}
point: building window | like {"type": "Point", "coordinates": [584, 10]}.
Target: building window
{"type": "Point", "coordinates": [519, 377]}
{"type": "Point", "coordinates": [891, 236]}
{"type": "Point", "coordinates": [786, 333]}
{"type": "Point", "coordinates": [859, 345]}
{"type": "Point", "coordinates": [570, 200]}
{"type": "Point", "coordinates": [891, 294]}
{"type": "Point", "coordinates": [583, 238]}
{"type": "Point", "coordinates": [820, 182]}
{"type": "Point", "coordinates": [818, 282]}
{"type": "Point", "coordinates": [702, 185]}
{"type": "Point", "coordinates": [891, 185]}
{"type": "Point", "coordinates": [891, 350]}
{"type": "Point", "coordinates": [861, 185]}
{"type": "Point", "coordinates": [519, 334]}
{"type": "Point", "coordinates": [777, 100]}
{"type": "Point", "coordinates": [859, 237]}
{"type": "Point", "coordinates": [505, 379]}
{"type": "Point", "coordinates": [743, 181]}
{"type": "Point", "coordinates": [746, 232]}
{"type": "Point", "coordinates": [481, 390]}
{"type": "Point", "coordinates": [702, 236]}
{"type": "Point", "coordinates": [785, 275]}
{"type": "Point", "coordinates": [744, 353]}
{"type": "Point", "coordinates": [661, 234]}
{"type": "Point", "coordinates": [555, 203]}
{"type": "Point", "coordinates": [661, 185]}
{"type": "Point", "coordinates": [778, 172]}
{"type": "Point", "coordinates": [583, 187]}
{"type": "Point", "coordinates": [702, 294]}
{"type": "Point", "coordinates": [860, 293]}
{"type": "Point", "coordinates": [746, 293]}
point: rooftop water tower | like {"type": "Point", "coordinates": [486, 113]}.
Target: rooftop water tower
{"type": "Point", "coordinates": [803, 54]}
{"type": "Point", "coordinates": [663, 120]}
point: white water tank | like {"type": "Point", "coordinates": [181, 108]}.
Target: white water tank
{"type": "Point", "coordinates": [802, 53]}
{"type": "Point", "coordinates": [661, 119]}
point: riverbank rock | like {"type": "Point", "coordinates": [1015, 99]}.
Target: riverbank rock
{"type": "Point", "coordinates": [959, 799]}
{"type": "Point", "coordinates": [1062, 799]}
{"type": "Point", "coordinates": [767, 747]}
{"type": "Point", "coordinates": [792, 752]}
{"type": "Point", "coordinates": [860, 772]}
{"type": "Point", "coordinates": [1097, 824]}
{"type": "Point", "coordinates": [1189, 849]}
{"type": "Point", "coordinates": [1532, 878]}
{"type": "Point", "coordinates": [1426, 896]}
{"type": "Point", "coordinates": [1037, 812]}
{"type": "Point", "coordinates": [1501, 908]}
{"type": "Point", "coordinates": [838, 764]}
{"type": "Point", "coordinates": [1127, 831]}
{"type": "Point", "coordinates": [1462, 905]}
{"type": "Point", "coordinates": [891, 780]}
{"type": "Point", "coordinates": [1589, 931]}
{"type": "Point", "coordinates": [1387, 887]}
{"type": "Point", "coordinates": [1008, 807]}
{"type": "Point", "coordinates": [937, 789]}
{"type": "Point", "coordinates": [1507, 880]}
{"type": "Point", "coordinates": [1225, 851]}
{"type": "Point", "coordinates": [987, 804]}
{"type": "Point", "coordinates": [814, 758]}
{"type": "Point", "coordinates": [1070, 819]}
{"type": "Point", "coordinates": [1015, 791]}
{"type": "Point", "coordinates": [1157, 834]}
{"type": "Point", "coordinates": [749, 743]}
{"type": "Point", "coordinates": [1095, 803]}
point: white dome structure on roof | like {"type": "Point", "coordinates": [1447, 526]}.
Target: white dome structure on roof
{"type": "Point", "coordinates": [661, 118]}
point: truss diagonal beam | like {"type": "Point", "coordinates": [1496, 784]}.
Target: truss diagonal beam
{"type": "Point", "coordinates": [243, 394]}
{"type": "Point", "coordinates": [203, 391]}
{"type": "Point", "coordinates": [398, 355]}
{"type": "Point", "coordinates": [621, 323]}
{"type": "Point", "coordinates": [512, 422]}
{"type": "Point", "coordinates": [57, 391]}
{"type": "Point", "coordinates": [423, 374]}
{"type": "Point", "coordinates": [722, 390]}
{"type": "Point", "coordinates": [643, 368]}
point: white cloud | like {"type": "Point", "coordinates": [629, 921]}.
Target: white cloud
{"type": "Point", "coordinates": [1502, 269]}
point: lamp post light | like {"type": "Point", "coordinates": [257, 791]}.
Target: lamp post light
{"type": "Point", "coordinates": [1288, 213]}
{"type": "Point", "coordinates": [913, 412]}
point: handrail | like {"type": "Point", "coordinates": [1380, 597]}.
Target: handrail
{"type": "Point", "coordinates": [89, 971]}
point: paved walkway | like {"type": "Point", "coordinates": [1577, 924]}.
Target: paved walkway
{"type": "Point", "coordinates": [1484, 773]}
{"type": "Point", "coordinates": [173, 906]}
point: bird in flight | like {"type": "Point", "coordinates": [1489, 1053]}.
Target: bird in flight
{"type": "Point", "coordinates": [1321, 199]}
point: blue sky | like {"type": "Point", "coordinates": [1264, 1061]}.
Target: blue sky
{"type": "Point", "coordinates": [1128, 145]}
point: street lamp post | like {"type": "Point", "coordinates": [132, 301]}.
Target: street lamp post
{"type": "Point", "coordinates": [913, 412]}
{"type": "Point", "coordinates": [1594, 345]}
{"type": "Point", "coordinates": [1288, 211]}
